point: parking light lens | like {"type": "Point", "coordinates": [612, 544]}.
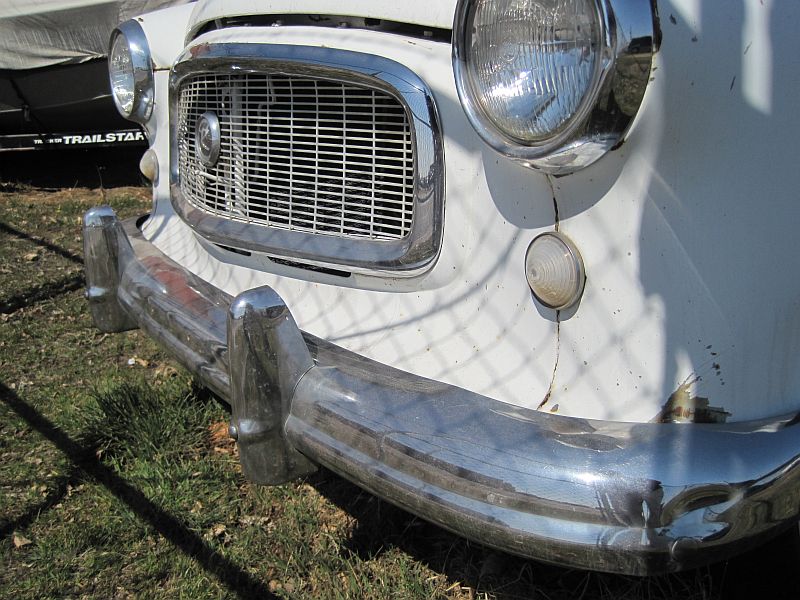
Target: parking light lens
{"type": "Point", "coordinates": [554, 269]}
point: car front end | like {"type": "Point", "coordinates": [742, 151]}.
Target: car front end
{"type": "Point", "coordinates": [500, 263]}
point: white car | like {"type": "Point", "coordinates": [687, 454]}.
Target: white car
{"type": "Point", "coordinates": [521, 267]}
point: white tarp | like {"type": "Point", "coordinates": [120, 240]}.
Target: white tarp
{"type": "Point", "coordinates": [40, 33]}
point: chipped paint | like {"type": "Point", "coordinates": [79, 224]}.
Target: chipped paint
{"type": "Point", "coordinates": [684, 407]}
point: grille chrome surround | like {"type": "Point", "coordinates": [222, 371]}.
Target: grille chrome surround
{"type": "Point", "coordinates": [328, 156]}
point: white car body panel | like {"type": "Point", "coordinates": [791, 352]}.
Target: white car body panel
{"type": "Point", "coordinates": [684, 230]}
{"type": "Point", "coordinates": [438, 13]}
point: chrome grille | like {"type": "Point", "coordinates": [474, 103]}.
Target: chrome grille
{"type": "Point", "coordinates": [300, 153]}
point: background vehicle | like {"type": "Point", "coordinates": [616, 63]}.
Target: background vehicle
{"type": "Point", "coordinates": [54, 76]}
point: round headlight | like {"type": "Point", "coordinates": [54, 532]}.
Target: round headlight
{"type": "Point", "coordinates": [130, 72]}
{"type": "Point", "coordinates": [532, 64]}
{"type": "Point", "coordinates": [534, 76]}
{"type": "Point", "coordinates": [120, 71]}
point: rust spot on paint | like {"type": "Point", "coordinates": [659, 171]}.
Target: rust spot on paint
{"type": "Point", "coordinates": [199, 50]}
{"type": "Point", "coordinates": [545, 400]}
{"type": "Point", "coordinates": [684, 407]}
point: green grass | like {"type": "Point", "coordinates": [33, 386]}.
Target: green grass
{"type": "Point", "coordinates": [117, 479]}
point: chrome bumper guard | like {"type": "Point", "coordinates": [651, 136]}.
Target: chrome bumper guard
{"type": "Point", "coordinates": [622, 497]}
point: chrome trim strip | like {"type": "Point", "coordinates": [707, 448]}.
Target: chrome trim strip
{"type": "Point", "coordinates": [638, 498]}
{"type": "Point", "coordinates": [407, 256]}
{"type": "Point", "coordinates": [628, 38]}
{"type": "Point", "coordinates": [144, 86]}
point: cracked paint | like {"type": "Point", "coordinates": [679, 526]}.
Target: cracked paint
{"type": "Point", "coordinates": [549, 392]}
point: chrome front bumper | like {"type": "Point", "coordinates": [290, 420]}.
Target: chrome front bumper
{"type": "Point", "coordinates": [635, 498]}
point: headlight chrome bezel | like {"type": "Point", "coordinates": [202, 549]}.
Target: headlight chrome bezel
{"type": "Point", "coordinates": [627, 41]}
{"type": "Point", "coordinates": [143, 80]}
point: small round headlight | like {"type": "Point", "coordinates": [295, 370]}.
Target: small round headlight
{"type": "Point", "coordinates": [120, 71]}
{"type": "Point", "coordinates": [130, 72]}
{"type": "Point", "coordinates": [540, 80]}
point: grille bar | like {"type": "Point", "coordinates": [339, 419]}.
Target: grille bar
{"type": "Point", "coordinates": [301, 154]}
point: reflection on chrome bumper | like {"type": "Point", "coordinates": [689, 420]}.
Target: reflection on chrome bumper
{"type": "Point", "coordinates": [624, 497]}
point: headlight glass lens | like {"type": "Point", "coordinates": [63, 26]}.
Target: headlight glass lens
{"type": "Point", "coordinates": [121, 74]}
{"type": "Point", "coordinates": [531, 63]}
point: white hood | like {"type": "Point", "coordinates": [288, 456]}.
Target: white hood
{"type": "Point", "coordinates": [428, 13]}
